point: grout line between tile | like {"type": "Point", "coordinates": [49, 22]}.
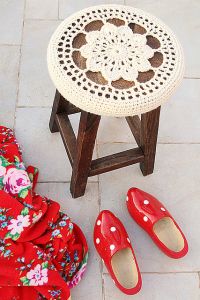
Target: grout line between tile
{"type": "Point", "coordinates": [159, 143]}
{"type": "Point", "coordinates": [10, 45]}
{"type": "Point", "coordinates": [19, 66]}
{"type": "Point", "coordinates": [190, 77]}
{"type": "Point", "coordinates": [103, 287]}
{"type": "Point", "coordinates": [199, 278]}
{"type": "Point", "coordinates": [99, 194]}
{"type": "Point", "coordinates": [176, 272]}
{"type": "Point", "coordinates": [58, 8]}
{"type": "Point", "coordinates": [41, 20]}
{"type": "Point", "coordinates": [25, 106]}
{"type": "Point", "coordinates": [178, 143]}
{"type": "Point", "coordinates": [99, 204]}
{"type": "Point", "coordinates": [67, 181]}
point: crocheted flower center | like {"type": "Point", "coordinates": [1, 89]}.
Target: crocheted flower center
{"type": "Point", "coordinates": [118, 53]}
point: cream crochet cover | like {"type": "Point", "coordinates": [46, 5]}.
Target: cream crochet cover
{"type": "Point", "coordinates": [115, 60]}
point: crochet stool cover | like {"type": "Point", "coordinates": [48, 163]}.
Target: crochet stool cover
{"type": "Point", "coordinates": [115, 60]}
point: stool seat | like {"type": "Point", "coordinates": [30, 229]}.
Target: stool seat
{"type": "Point", "coordinates": [115, 60]}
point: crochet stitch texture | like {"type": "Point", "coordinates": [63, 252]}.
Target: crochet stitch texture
{"type": "Point", "coordinates": [115, 60]}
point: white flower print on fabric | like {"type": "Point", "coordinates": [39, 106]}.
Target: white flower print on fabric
{"type": "Point", "coordinates": [37, 217]}
{"type": "Point", "coordinates": [15, 181]}
{"type": "Point", "coordinates": [2, 171]}
{"type": "Point", "coordinates": [117, 53]}
{"type": "Point", "coordinates": [37, 276]}
{"type": "Point", "coordinates": [17, 225]}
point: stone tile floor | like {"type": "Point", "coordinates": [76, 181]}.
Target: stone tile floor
{"type": "Point", "coordinates": [26, 95]}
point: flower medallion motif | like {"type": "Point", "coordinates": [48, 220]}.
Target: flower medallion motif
{"type": "Point", "coordinates": [117, 52]}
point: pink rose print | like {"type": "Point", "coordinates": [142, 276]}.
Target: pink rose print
{"type": "Point", "coordinates": [16, 180]}
{"type": "Point", "coordinates": [37, 276]}
{"type": "Point", "coordinates": [17, 225]}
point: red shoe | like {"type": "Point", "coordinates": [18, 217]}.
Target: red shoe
{"type": "Point", "coordinates": [113, 245]}
{"type": "Point", "coordinates": [154, 218]}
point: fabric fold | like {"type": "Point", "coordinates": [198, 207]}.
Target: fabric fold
{"type": "Point", "coordinates": [42, 252]}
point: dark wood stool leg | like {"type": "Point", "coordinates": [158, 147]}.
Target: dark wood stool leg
{"type": "Point", "coordinates": [148, 139]}
{"type": "Point", "coordinates": [59, 106]}
{"type": "Point", "coordinates": [88, 127]}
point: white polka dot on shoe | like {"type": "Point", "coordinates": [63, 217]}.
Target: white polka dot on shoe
{"type": "Point", "coordinates": [98, 222]}
{"type": "Point", "coordinates": [112, 247]}
{"type": "Point", "coordinates": [97, 241]}
{"type": "Point", "coordinates": [113, 229]}
{"type": "Point", "coordinates": [145, 218]}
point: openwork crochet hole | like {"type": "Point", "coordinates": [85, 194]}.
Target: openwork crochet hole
{"type": "Point", "coordinates": [116, 22]}
{"type": "Point", "coordinates": [79, 60]}
{"type": "Point", "coordinates": [145, 76]}
{"type": "Point", "coordinates": [95, 25]}
{"type": "Point", "coordinates": [79, 41]}
{"type": "Point", "coordinates": [156, 60]}
{"type": "Point", "coordinates": [96, 77]}
{"type": "Point", "coordinates": [122, 84]}
{"type": "Point", "coordinates": [153, 42]}
{"type": "Point", "coordinates": [136, 28]}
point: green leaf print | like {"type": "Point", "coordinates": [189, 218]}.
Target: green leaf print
{"type": "Point", "coordinates": [30, 175]}
{"type": "Point", "coordinates": [25, 280]}
{"type": "Point", "coordinates": [36, 171]}
{"type": "Point", "coordinates": [4, 161]}
{"type": "Point", "coordinates": [45, 265]}
{"type": "Point", "coordinates": [85, 258]}
{"type": "Point", "coordinates": [15, 236]}
{"type": "Point", "coordinates": [25, 211]}
{"type": "Point", "coordinates": [11, 236]}
{"type": "Point", "coordinates": [23, 193]}
{"type": "Point", "coordinates": [16, 158]}
{"type": "Point", "coordinates": [1, 183]}
{"type": "Point", "coordinates": [84, 261]}
{"type": "Point", "coordinates": [8, 235]}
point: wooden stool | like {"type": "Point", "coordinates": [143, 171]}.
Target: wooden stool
{"type": "Point", "coordinates": [111, 60]}
{"type": "Point", "coordinates": [80, 150]}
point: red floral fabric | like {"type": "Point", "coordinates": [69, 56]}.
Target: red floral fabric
{"type": "Point", "coordinates": [42, 253]}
